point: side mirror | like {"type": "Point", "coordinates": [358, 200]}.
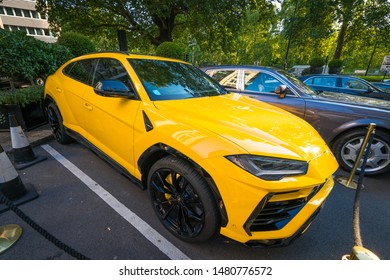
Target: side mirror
{"type": "Point", "coordinates": [113, 88]}
{"type": "Point", "coordinates": [281, 91]}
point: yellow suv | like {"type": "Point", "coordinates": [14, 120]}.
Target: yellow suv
{"type": "Point", "coordinates": [212, 161]}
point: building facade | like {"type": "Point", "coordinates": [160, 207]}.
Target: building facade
{"type": "Point", "coordinates": [22, 15]}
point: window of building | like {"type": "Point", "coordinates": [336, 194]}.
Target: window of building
{"type": "Point", "coordinates": [26, 13]}
{"type": "Point", "coordinates": [1, 11]}
{"type": "Point", "coordinates": [47, 32]}
{"type": "Point", "coordinates": [31, 30]}
{"type": "Point", "coordinates": [9, 11]}
{"type": "Point", "coordinates": [7, 27]}
{"type": "Point", "coordinates": [43, 16]}
{"type": "Point", "coordinates": [34, 14]}
{"type": "Point", "coordinates": [14, 28]}
{"type": "Point", "coordinates": [23, 29]}
{"type": "Point", "coordinates": [18, 12]}
{"type": "Point", "coordinates": [39, 31]}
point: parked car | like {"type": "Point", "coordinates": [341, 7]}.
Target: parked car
{"type": "Point", "coordinates": [341, 119]}
{"type": "Point", "coordinates": [209, 162]}
{"type": "Point", "coordinates": [344, 84]}
{"type": "Point", "coordinates": [297, 70]}
{"type": "Point", "coordinates": [382, 85]}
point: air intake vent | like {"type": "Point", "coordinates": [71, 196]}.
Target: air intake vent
{"type": "Point", "coordinates": [270, 216]}
{"type": "Point", "coordinates": [148, 123]}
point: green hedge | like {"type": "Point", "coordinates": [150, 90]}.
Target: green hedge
{"type": "Point", "coordinates": [22, 96]}
{"type": "Point", "coordinates": [372, 78]}
{"type": "Point", "coordinates": [170, 49]}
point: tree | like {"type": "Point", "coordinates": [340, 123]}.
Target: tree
{"type": "Point", "coordinates": [332, 27]}
{"type": "Point", "coordinates": [76, 43]}
{"type": "Point", "coordinates": [24, 57]}
{"type": "Point", "coordinates": [141, 18]}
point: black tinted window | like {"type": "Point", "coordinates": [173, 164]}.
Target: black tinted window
{"type": "Point", "coordinates": [166, 80]}
{"type": "Point", "coordinates": [80, 70]}
{"type": "Point", "coordinates": [111, 69]}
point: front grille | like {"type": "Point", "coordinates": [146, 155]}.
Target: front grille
{"type": "Point", "coordinates": [274, 215]}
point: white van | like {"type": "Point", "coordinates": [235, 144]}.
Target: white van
{"type": "Point", "coordinates": [296, 70]}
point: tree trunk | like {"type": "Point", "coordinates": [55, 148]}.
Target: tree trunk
{"type": "Point", "coordinates": [340, 41]}
{"type": "Point", "coordinates": [165, 28]}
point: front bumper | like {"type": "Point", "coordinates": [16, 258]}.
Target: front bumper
{"type": "Point", "coordinates": [279, 217]}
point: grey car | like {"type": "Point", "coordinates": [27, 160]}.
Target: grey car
{"type": "Point", "coordinates": [341, 119]}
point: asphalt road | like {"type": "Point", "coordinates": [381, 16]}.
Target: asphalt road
{"type": "Point", "coordinates": [102, 215]}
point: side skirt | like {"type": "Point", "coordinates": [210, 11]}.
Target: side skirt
{"type": "Point", "coordinates": [103, 156]}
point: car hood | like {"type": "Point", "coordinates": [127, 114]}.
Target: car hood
{"type": "Point", "coordinates": [354, 99]}
{"type": "Point", "coordinates": [256, 127]}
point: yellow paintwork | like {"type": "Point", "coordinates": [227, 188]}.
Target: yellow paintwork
{"type": "Point", "coordinates": [205, 130]}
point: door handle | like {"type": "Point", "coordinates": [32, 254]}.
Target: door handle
{"type": "Point", "coordinates": [88, 106]}
{"type": "Point", "coordinates": [58, 90]}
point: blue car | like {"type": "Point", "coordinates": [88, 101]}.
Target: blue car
{"type": "Point", "coordinates": [382, 85]}
{"type": "Point", "coordinates": [344, 84]}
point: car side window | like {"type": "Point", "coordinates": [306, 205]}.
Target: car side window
{"type": "Point", "coordinates": [260, 82]}
{"type": "Point", "coordinates": [354, 84]}
{"type": "Point", "coordinates": [80, 70]}
{"type": "Point", "coordinates": [226, 78]}
{"type": "Point", "coordinates": [111, 69]}
{"type": "Point", "coordinates": [309, 82]}
{"type": "Point", "coordinates": [324, 81]}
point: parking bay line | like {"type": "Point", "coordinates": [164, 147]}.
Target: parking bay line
{"type": "Point", "coordinates": [147, 231]}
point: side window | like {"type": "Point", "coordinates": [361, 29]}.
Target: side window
{"type": "Point", "coordinates": [111, 69]}
{"type": "Point", "coordinates": [80, 70]}
{"type": "Point", "coordinates": [324, 81]}
{"type": "Point", "coordinates": [226, 78]}
{"type": "Point", "coordinates": [354, 84]}
{"type": "Point", "coordinates": [309, 82]}
{"type": "Point", "coordinates": [260, 82]}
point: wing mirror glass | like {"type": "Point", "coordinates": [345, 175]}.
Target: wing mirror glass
{"type": "Point", "coordinates": [113, 88]}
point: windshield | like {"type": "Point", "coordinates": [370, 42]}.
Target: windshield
{"type": "Point", "coordinates": [167, 80]}
{"type": "Point", "coordinates": [301, 86]}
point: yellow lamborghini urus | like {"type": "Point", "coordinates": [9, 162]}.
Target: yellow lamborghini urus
{"type": "Point", "coordinates": [212, 161]}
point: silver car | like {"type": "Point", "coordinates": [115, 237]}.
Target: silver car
{"type": "Point", "coordinates": [341, 119]}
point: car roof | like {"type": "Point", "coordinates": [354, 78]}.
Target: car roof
{"type": "Point", "coordinates": [257, 67]}
{"type": "Point", "coordinates": [121, 54]}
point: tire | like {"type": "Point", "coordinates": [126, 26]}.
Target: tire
{"type": "Point", "coordinates": [347, 146]}
{"type": "Point", "coordinates": [55, 121]}
{"type": "Point", "coordinates": [182, 200]}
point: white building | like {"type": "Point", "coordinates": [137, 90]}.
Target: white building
{"type": "Point", "coordinates": [22, 15]}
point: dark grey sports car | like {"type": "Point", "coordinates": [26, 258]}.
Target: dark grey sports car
{"type": "Point", "coordinates": [341, 119]}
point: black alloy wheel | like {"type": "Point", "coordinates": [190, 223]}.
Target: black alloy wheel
{"type": "Point", "coordinates": [55, 121]}
{"type": "Point", "coordinates": [183, 200]}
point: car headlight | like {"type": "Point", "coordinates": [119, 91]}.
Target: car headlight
{"type": "Point", "coordinates": [269, 168]}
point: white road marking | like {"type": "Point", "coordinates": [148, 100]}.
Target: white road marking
{"type": "Point", "coordinates": [147, 231]}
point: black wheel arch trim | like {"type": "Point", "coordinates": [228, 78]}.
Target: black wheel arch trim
{"type": "Point", "coordinates": [161, 150]}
